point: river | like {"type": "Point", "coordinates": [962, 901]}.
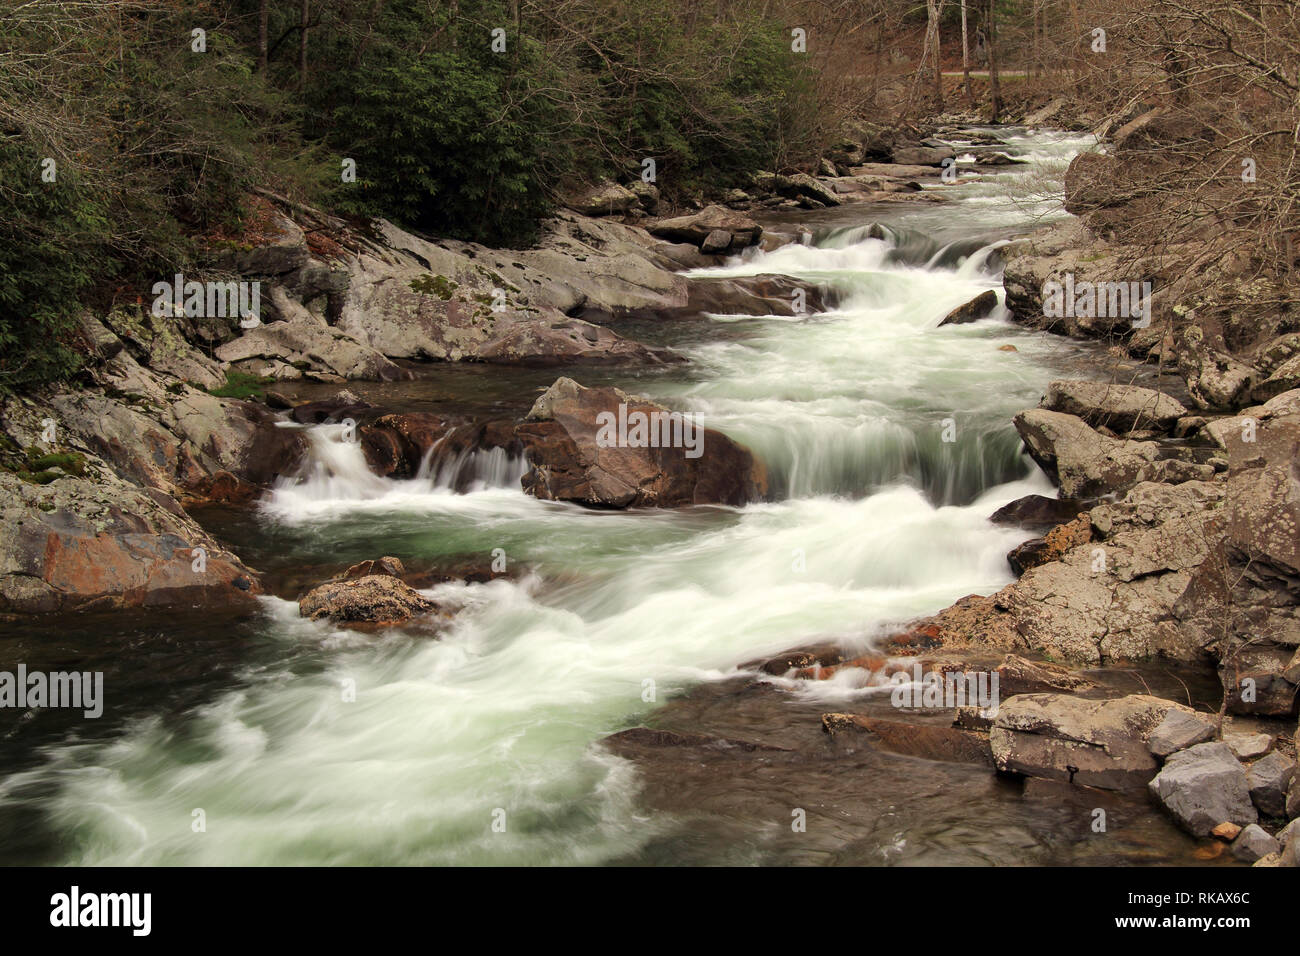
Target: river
{"type": "Point", "coordinates": [482, 746]}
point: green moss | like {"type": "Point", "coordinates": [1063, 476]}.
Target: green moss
{"type": "Point", "coordinates": [430, 284]}
{"type": "Point", "coordinates": [242, 385]}
{"type": "Point", "coordinates": [37, 467]}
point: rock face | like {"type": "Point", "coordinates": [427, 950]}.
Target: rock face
{"type": "Point", "coordinates": [1053, 547]}
{"type": "Point", "coordinates": [98, 542]}
{"type": "Point", "coordinates": [1087, 742]}
{"type": "Point", "coordinates": [1203, 786]}
{"type": "Point", "coordinates": [572, 443]}
{"type": "Point", "coordinates": [1120, 408]}
{"type": "Point", "coordinates": [375, 599]}
{"type": "Point", "coordinates": [1263, 565]}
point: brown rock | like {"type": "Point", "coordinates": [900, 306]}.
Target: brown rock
{"type": "Point", "coordinates": [377, 599]}
{"type": "Point", "coordinates": [390, 566]}
{"type": "Point", "coordinates": [1226, 831]}
{"type": "Point", "coordinates": [977, 308]}
{"type": "Point", "coordinates": [929, 741]}
{"type": "Point", "coordinates": [563, 439]}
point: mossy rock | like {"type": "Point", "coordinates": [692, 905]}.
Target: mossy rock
{"type": "Point", "coordinates": [430, 284]}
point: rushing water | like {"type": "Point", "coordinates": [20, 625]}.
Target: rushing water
{"type": "Point", "coordinates": [876, 519]}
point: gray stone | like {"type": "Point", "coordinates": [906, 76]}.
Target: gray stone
{"type": "Point", "coordinates": [1098, 743]}
{"type": "Point", "coordinates": [719, 240]}
{"type": "Point", "coordinates": [1268, 779]}
{"type": "Point", "coordinates": [1178, 731]}
{"type": "Point", "coordinates": [1254, 843]}
{"type": "Point", "coordinates": [1119, 407]}
{"type": "Point", "coordinates": [1249, 746]}
{"type": "Point", "coordinates": [1203, 786]}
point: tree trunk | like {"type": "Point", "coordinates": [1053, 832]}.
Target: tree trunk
{"type": "Point", "coordinates": [935, 9]}
{"type": "Point", "coordinates": [263, 12]}
{"type": "Point", "coordinates": [995, 88]}
{"type": "Point", "coordinates": [965, 54]}
{"type": "Point", "coordinates": [302, 45]}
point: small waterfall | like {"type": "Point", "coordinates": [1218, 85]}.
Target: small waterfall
{"type": "Point", "coordinates": [336, 472]}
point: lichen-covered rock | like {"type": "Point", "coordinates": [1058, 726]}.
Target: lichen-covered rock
{"type": "Point", "coordinates": [375, 599]}
{"type": "Point", "coordinates": [1120, 408]}
{"type": "Point", "coordinates": [97, 542]}
{"type": "Point", "coordinates": [1097, 743]}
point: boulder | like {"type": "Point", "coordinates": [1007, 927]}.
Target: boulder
{"type": "Point", "coordinates": [1249, 746]}
{"type": "Point", "coordinates": [1215, 379]}
{"type": "Point", "coordinates": [922, 155]}
{"type": "Point", "coordinates": [1179, 730]}
{"type": "Point", "coordinates": [1285, 378]}
{"type": "Point", "coordinates": [697, 227]}
{"type": "Point", "coordinates": [376, 599]}
{"type": "Point", "coordinates": [803, 186]}
{"type": "Point", "coordinates": [764, 294]}
{"type": "Point", "coordinates": [1268, 779]}
{"type": "Point", "coordinates": [576, 453]}
{"type": "Point", "coordinates": [604, 199]}
{"type": "Point", "coordinates": [1120, 408]}
{"type": "Point", "coordinates": [1098, 743]}
{"type": "Point", "coordinates": [1038, 512]}
{"type": "Point", "coordinates": [1085, 463]}
{"type": "Point", "coordinates": [977, 308]}
{"type": "Point", "coordinates": [1203, 786]}
{"type": "Point", "coordinates": [1140, 589]}
{"type": "Point", "coordinates": [1254, 843]}
{"type": "Point", "coordinates": [98, 543]}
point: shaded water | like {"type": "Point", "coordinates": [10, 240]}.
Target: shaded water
{"type": "Point", "coordinates": [875, 518]}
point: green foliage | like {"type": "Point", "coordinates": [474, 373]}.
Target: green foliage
{"type": "Point", "coordinates": [447, 140]}
{"type": "Point", "coordinates": [50, 250]}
